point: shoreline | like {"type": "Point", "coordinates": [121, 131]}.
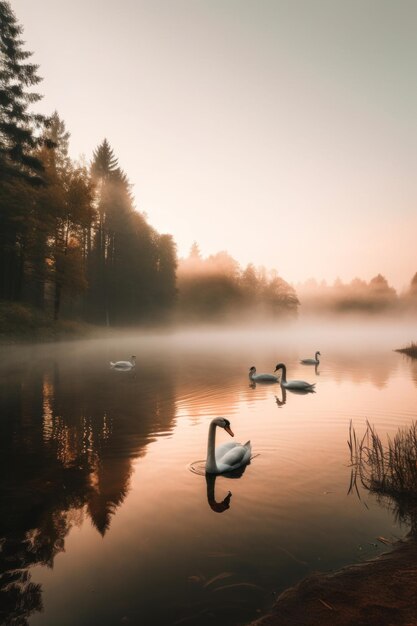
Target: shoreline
{"type": "Point", "coordinates": [381, 591]}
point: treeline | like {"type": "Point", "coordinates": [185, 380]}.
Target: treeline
{"type": "Point", "coordinates": [71, 242]}
{"type": "Point", "coordinates": [217, 287]}
{"type": "Point", "coordinates": [375, 296]}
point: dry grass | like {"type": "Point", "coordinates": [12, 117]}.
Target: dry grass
{"type": "Point", "coordinates": [410, 350]}
{"type": "Point", "coordinates": [389, 471]}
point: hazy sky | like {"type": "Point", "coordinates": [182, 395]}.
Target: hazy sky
{"type": "Point", "coordinates": [284, 131]}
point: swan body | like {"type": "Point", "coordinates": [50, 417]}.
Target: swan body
{"type": "Point", "coordinates": [261, 378]}
{"type": "Point", "coordinates": [124, 365]}
{"type": "Point", "coordinates": [228, 456]}
{"type": "Point", "coordinates": [314, 361]}
{"type": "Point", "coordinates": [293, 384]}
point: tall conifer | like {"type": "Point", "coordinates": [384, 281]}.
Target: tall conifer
{"type": "Point", "coordinates": [18, 125]}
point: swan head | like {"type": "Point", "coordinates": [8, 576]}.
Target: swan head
{"type": "Point", "coordinates": [318, 353]}
{"type": "Point", "coordinates": [252, 370]}
{"type": "Point", "coordinates": [280, 366]}
{"type": "Point", "coordinates": [133, 357]}
{"type": "Point", "coordinates": [223, 423]}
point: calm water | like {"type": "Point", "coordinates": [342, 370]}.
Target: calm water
{"type": "Point", "coordinates": [102, 521]}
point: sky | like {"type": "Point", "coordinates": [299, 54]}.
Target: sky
{"type": "Point", "coordinates": [282, 131]}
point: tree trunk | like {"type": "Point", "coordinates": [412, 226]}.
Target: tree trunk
{"type": "Point", "coordinates": [57, 301]}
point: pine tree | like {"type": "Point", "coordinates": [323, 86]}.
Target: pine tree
{"type": "Point", "coordinates": [166, 290]}
{"type": "Point", "coordinates": [18, 125]}
{"type": "Point", "coordinates": [104, 170]}
{"type": "Point", "coordinates": [104, 164]}
{"type": "Point", "coordinates": [20, 168]}
{"type": "Point", "coordinates": [64, 214]}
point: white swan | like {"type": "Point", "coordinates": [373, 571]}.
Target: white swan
{"type": "Point", "coordinates": [314, 361]}
{"type": "Point", "coordinates": [261, 378]}
{"type": "Point", "coordinates": [228, 456]}
{"type": "Point", "coordinates": [293, 384]}
{"type": "Point", "coordinates": [124, 365]}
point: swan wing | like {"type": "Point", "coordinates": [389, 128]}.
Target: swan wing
{"type": "Point", "coordinates": [298, 384]}
{"type": "Point", "coordinates": [309, 361]}
{"type": "Point", "coordinates": [224, 449]}
{"type": "Point", "coordinates": [266, 378]}
{"type": "Point", "coordinates": [235, 457]}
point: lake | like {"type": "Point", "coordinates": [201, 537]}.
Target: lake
{"type": "Point", "coordinates": [103, 521]}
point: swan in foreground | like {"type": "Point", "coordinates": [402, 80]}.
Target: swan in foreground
{"type": "Point", "coordinates": [261, 378]}
{"type": "Point", "coordinates": [228, 456]}
{"type": "Point", "coordinates": [293, 384]}
{"type": "Point", "coordinates": [124, 365]}
{"type": "Point", "coordinates": [314, 361]}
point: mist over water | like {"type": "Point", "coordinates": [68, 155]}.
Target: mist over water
{"type": "Point", "coordinates": [96, 479]}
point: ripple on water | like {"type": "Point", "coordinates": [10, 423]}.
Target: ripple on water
{"type": "Point", "coordinates": [198, 467]}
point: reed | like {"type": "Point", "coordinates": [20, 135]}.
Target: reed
{"type": "Point", "coordinates": [389, 471]}
{"type": "Point", "coordinates": [410, 350]}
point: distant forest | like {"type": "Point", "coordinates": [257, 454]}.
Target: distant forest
{"type": "Point", "coordinates": [375, 296]}
{"type": "Point", "coordinates": [74, 247]}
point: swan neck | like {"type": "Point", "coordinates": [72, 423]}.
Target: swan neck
{"type": "Point", "coordinates": [211, 457]}
{"type": "Point", "coordinates": [284, 374]}
{"type": "Point", "coordinates": [317, 357]}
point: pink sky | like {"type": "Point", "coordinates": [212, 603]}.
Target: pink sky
{"type": "Point", "coordinates": [282, 131]}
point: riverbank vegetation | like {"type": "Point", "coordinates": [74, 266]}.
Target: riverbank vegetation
{"type": "Point", "coordinates": [410, 350]}
{"type": "Point", "coordinates": [382, 590]}
{"type": "Point", "coordinates": [358, 296]}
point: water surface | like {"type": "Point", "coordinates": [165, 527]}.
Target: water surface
{"type": "Point", "coordinates": [102, 520]}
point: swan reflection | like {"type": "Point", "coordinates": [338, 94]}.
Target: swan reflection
{"type": "Point", "coordinates": [223, 505]}
{"type": "Point", "coordinates": [296, 392]}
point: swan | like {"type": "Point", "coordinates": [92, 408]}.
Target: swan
{"type": "Point", "coordinates": [261, 378]}
{"type": "Point", "coordinates": [293, 384]}
{"type": "Point", "coordinates": [124, 365]}
{"type": "Point", "coordinates": [314, 361]}
{"type": "Point", "coordinates": [228, 456]}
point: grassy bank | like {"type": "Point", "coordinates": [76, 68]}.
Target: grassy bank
{"type": "Point", "coordinates": [20, 323]}
{"type": "Point", "coordinates": [382, 591]}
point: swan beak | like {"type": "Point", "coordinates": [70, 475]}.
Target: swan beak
{"type": "Point", "coordinates": [228, 430]}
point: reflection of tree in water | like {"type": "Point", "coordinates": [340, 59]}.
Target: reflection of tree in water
{"type": "Point", "coordinates": [388, 471]}
{"type": "Point", "coordinates": [67, 443]}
